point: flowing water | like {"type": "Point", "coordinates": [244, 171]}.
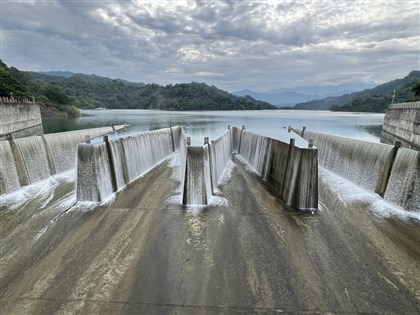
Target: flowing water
{"type": "Point", "coordinates": [9, 181]}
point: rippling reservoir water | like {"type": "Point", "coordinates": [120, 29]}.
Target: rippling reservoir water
{"type": "Point", "coordinates": [364, 126]}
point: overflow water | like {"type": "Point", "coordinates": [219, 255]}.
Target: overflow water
{"type": "Point", "coordinates": [35, 158]}
{"type": "Point", "coordinates": [359, 161]}
{"type": "Point", "coordinates": [9, 178]}
{"type": "Point", "coordinates": [143, 151]}
{"type": "Point", "coordinates": [62, 147]}
{"type": "Point", "coordinates": [404, 182]}
{"type": "Point", "coordinates": [95, 175]}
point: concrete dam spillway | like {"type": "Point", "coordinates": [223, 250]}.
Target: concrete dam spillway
{"type": "Point", "coordinates": [148, 224]}
{"type": "Point", "coordinates": [290, 170]}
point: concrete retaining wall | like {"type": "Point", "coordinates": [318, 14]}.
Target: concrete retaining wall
{"type": "Point", "coordinates": [28, 160]}
{"type": "Point", "coordinates": [391, 172]}
{"type": "Point", "coordinates": [402, 123]}
{"type": "Point", "coordinates": [19, 118]}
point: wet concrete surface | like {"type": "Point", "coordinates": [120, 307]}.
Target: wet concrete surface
{"type": "Point", "coordinates": [246, 253]}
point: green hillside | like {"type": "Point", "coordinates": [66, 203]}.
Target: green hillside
{"type": "Point", "coordinates": [65, 91]}
{"type": "Point", "coordinates": [376, 99]}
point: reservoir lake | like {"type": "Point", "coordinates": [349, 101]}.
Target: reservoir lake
{"type": "Point", "coordinates": [200, 124]}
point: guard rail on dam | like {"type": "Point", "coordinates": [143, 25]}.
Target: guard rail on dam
{"type": "Point", "coordinates": [291, 171]}
{"type": "Point", "coordinates": [28, 160]}
{"type": "Point", "coordinates": [19, 118]}
{"type": "Point", "coordinates": [390, 171]}
{"type": "Point", "coordinates": [402, 123]}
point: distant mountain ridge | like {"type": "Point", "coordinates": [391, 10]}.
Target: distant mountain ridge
{"type": "Point", "coordinates": [291, 96]}
{"type": "Point", "coordinates": [376, 99]}
{"type": "Point", "coordinates": [67, 91]}
{"type": "Point", "coordinates": [92, 78]}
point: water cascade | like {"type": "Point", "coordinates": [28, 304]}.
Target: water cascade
{"type": "Point", "coordinates": [35, 158]}
{"type": "Point", "coordinates": [140, 153]}
{"type": "Point", "coordinates": [289, 169]}
{"type": "Point", "coordinates": [253, 149]}
{"type": "Point", "coordinates": [28, 160]}
{"type": "Point", "coordinates": [95, 174]}
{"type": "Point", "coordinates": [372, 166]}
{"type": "Point", "coordinates": [363, 163]}
{"type": "Point", "coordinates": [404, 182]}
{"type": "Point", "coordinates": [62, 147]}
{"type": "Point", "coordinates": [9, 179]}
{"type": "Point", "coordinates": [123, 160]}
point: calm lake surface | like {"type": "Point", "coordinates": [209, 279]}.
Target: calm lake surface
{"type": "Point", "coordinates": [364, 126]}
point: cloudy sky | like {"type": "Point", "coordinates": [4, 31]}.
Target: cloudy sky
{"type": "Point", "coordinates": [259, 45]}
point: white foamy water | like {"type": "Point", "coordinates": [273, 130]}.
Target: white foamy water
{"type": "Point", "coordinates": [351, 193]}
{"type": "Point", "coordinates": [39, 190]}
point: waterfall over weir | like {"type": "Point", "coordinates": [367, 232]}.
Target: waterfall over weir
{"type": "Point", "coordinates": [391, 172]}
{"type": "Point", "coordinates": [289, 169]}
{"type": "Point", "coordinates": [404, 182]}
{"type": "Point", "coordinates": [9, 179]}
{"type": "Point", "coordinates": [28, 160]}
{"type": "Point", "coordinates": [104, 168]}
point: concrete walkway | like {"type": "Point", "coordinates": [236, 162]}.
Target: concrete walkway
{"type": "Point", "coordinates": [245, 253]}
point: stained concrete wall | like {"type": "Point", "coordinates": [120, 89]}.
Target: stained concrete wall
{"type": "Point", "coordinates": [290, 170]}
{"type": "Point", "coordinates": [402, 123]}
{"type": "Point", "coordinates": [19, 118]}
{"type": "Point", "coordinates": [28, 160]}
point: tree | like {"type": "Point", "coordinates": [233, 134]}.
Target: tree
{"type": "Point", "coordinates": [10, 86]}
{"type": "Point", "coordinates": [416, 90]}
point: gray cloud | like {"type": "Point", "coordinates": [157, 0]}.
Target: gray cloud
{"type": "Point", "coordinates": [232, 44]}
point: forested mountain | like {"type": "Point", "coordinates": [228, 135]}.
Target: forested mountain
{"type": "Point", "coordinates": [376, 99]}
{"type": "Point", "coordinates": [65, 91]}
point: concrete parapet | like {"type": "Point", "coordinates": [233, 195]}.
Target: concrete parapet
{"type": "Point", "coordinates": [406, 105]}
{"type": "Point", "coordinates": [19, 119]}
